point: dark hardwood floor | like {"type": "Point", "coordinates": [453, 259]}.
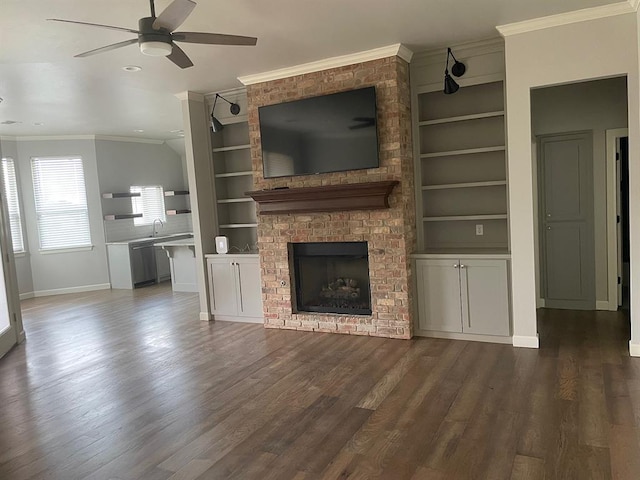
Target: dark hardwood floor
{"type": "Point", "coordinates": [131, 385]}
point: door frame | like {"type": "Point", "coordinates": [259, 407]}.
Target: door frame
{"type": "Point", "coordinates": [612, 143]}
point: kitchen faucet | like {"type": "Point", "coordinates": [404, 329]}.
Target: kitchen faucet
{"type": "Point", "coordinates": [154, 226]}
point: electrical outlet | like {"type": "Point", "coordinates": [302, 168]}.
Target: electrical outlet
{"type": "Point", "coordinates": [479, 229]}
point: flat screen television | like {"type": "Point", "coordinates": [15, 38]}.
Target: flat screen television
{"type": "Point", "coordinates": [329, 133]}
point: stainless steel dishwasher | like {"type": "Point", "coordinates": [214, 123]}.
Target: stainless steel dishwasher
{"type": "Point", "coordinates": [143, 263]}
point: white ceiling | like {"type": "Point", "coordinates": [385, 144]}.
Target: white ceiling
{"type": "Point", "coordinates": [40, 81]}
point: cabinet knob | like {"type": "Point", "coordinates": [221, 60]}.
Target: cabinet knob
{"type": "Point", "coordinates": [455, 265]}
{"type": "Point", "coordinates": [548, 215]}
{"type": "Point", "coordinates": [548, 228]}
{"type": "Point", "coordinates": [463, 266]}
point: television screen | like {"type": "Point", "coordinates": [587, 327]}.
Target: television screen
{"type": "Point", "coordinates": [330, 133]}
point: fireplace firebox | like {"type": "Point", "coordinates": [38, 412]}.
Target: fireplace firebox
{"type": "Point", "coordinates": [331, 277]}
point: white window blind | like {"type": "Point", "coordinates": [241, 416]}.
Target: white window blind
{"type": "Point", "coordinates": [150, 204]}
{"type": "Point", "coordinates": [61, 202]}
{"type": "Point", "coordinates": [11, 191]}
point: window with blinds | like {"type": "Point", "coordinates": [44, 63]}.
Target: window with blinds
{"type": "Point", "coordinates": [150, 204]}
{"type": "Point", "coordinates": [61, 202]}
{"type": "Point", "coordinates": [13, 204]}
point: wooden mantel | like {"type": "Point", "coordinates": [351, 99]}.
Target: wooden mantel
{"type": "Point", "coordinates": [327, 198]}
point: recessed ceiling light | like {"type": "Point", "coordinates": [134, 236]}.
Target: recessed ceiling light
{"type": "Point", "coordinates": [1, 99]}
{"type": "Point", "coordinates": [38, 124]}
{"type": "Point", "coordinates": [9, 122]}
{"type": "Point", "coordinates": [131, 68]}
{"type": "Point", "coordinates": [137, 130]}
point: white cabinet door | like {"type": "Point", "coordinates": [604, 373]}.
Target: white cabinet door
{"type": "Point", "coordinates": [250, 287]}
{"type": "Point", "coordinates": [485, 296]}
{"type": "Point", "coordinates": [222, 275]}
{"type": "Point", "coordinates": [439, 295]}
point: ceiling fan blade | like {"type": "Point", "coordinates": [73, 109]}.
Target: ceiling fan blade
{"type": "Point", "coordinates": [122, 29]}
{"type": "Point", "coordinates": [179, 57]}
{"type": "Point", "coordinates": [213, 38]}
{"type": "Point", "coordinates": [173, 16]}
{"type": "Point", "coordinates": [107, 48]}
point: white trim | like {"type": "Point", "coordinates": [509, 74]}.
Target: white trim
{"type": "Point", "coordinates": [20, 254]}
{"type": "Point", "coordinates": [26, 296]}
{"type": "Point", "coordinates": [233, 318]}
{"type": "Point", "coordinates": [129, 139]}
{"type": "Point", "coordinates": [611, 215]}
{"type": "Point", "coordinates": [634, 349]}
{"type": "Point", "coordinates": [462, 336]}
{"type": "Point", "coordinates": [603, 305]}
{"type": "Point", "coordinates": [526, 341]}
{"type": "Point", "coordinates": [567, 18]}
{"type": "Point", "coordinates": [47, 138]}
{"type": "Point", "coordinates": [187, 95]}
{"type": "Point", "coordinates": [541, 303]}
{"type": "Point", "coordinates": [205, 316]}
{"type": "Point", "coordinates": [210, 97]}
{"type": "Point", "coordinates": [8, 138]}
{"type": "Point", "coordinates": [63, 291]}
{"type": "Point", "coordinates": [634, 4]}
{"type": "Point", "coordinates": [340, 61]}
{"type": "Point", "coordinates": [51, 251]}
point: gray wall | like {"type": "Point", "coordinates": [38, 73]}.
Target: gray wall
{"type": "Point", "coordinates": [56, 271]}
{"type": "Point", "coordinates": [597, 106]}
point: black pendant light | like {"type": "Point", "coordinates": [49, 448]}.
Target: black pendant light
{"type": "Point", "coordinates": [458, 69]}
{"type": "Point", "coordinates": [234, 108]}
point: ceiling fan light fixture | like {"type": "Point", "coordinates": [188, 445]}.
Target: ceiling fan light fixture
{"type": "Point", "coordinates": [156, 49]}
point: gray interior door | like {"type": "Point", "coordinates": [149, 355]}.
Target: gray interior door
{"type": "Point", "coordinates": [566, 210]}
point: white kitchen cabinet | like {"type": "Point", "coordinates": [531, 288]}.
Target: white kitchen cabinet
{"type": "Point", "coordinates": [463, 296]}
{"type": "Point", "coordinates": [235, 288]}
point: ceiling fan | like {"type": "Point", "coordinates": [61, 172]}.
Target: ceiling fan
{"type": "Point", "coordinates": [156, 35]}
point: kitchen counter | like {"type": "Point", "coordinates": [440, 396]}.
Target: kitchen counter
{"type": "Point", "coordinates": [155, 240]}
{"type": "Point", "coordinates": [181, 253]}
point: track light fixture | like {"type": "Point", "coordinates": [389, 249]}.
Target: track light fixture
{"type": "Point", "coordinates": [234, 108]}
{"type": "Point", "coordinates": [458, 69]}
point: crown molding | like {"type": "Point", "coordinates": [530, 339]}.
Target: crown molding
{"type": "Point", "coordinates": [568, 18]}
{"type": "Point", "coordinates": [187, 95]}
{"type": "Point", "coordinates": [110, 138]}
{"type": "Point", "coordinates": [398, 50]}
{"type": "Point", "coordinates": [8, 138]}
{"type": "Point", "coordinates": [45, 138]}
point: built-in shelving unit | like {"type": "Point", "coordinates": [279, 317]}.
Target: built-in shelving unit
{"type": "Point", "coordinates": [462, 169]}
{"type": "Point", "coordinates": [233, 177]}
{"type": "Point", "coordinates": [174, 193]}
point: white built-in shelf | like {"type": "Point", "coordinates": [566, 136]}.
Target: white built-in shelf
{"type": "Point", "coordinates": [462, 118]}
{"type": "Point", "coordinates": [173, 193]}
{"type": "Point", "coordinates": [231, 148]}
{"type": "Point", "coordinates": [239, 225]}
{"type": "Point", "coordinates": [122, 216]}
{"type": "Point", "coordinates": [454, 218]}
{"type": "Point", "coordinates": [235, 200]}
{"type": "Point", "coordinates": [120, 195]}
{"type": "Point", "coordinates": [178, 212]}
{"type": "Point", "coordinates": [468, 151]}
{"type": "Point", "coordinates": [234, 174]}
{"type": "Point", "coordinates": [448, 186]}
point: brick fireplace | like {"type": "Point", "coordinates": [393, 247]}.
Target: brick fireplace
{"type": "Point", "coordinates": [389, 233]}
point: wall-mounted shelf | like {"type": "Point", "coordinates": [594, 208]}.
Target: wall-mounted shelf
{"type": "Point", "coordinates": [458, 218]}
{"type": "Point", "coordinates": [462, 118]}
{"type": "Point", "coordinates": [467, 151]}
{"type": "Point", "coordinates": [239, 225]}
{"type": "Point", "coordinates": [173, 193]}
{"type": "Point", "coordinates": [231, 148]}
{"type": "Point", "coordinates": [492, 183]}
{"type": "Point", "coordinates": [243, 173]}
{"type": "Point", "coordinates": [178, 212]}
{"type": "Point", "coordinates": [120, 195]}
{"type": "Point", "coordinates": [235, 200]}
{"type": "Point", "coordinates": [122, 216]}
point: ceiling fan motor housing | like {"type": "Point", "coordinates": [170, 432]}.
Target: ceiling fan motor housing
{"type": "Point", "coordinates": [153, 42]}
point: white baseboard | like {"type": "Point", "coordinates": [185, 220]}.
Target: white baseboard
{"type": "Point", "coordinates": [63, 291]}
{"type": "Point", "coordinates": [205, 316]}
{"type": "Point", "coordinates": [541, 303]}
{"type": "Point", "coordinates": [526, 341]}
{"type": "Point", "coordinates": [26, 296]}
{"type": "Point", "coordinates": [634, 349]}
{"type": "Point", "coordinates": [602, 305]}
